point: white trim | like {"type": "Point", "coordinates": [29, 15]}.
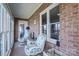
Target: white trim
{"type": "Point", "coordinates": [50, 7]}
{"type": "Point", "coordinates": [52, 40]}
{"type": "Point", "coordinates": [48, 22]}
{"type": "Point", "coordinates": [54, 23]}
{"type": "Point", "coordinates": [48, 25]}
{"type": "Point", "coordinates": [40, 24]}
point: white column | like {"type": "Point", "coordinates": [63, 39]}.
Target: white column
{"type": "Point", "coordinates": [40, 24]}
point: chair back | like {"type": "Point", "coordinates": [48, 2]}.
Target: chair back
{"type": "Point", "coordinates": [41, 41]}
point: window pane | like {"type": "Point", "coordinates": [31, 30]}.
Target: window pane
{"type": "Point", "coordinates": [8, 40]}
{"type": "Point", "coordinates": [0, 19]}
{"type": "Point", "coordinates": [44, 19]}
{"type": "Point", "coordinates": [54, 31]}
{"type": "Point", "coordinates": [5, 20]}
{"type": "Point", "coordinates": [8, 22]}
{"type": "Point", "coordinates": [12, 29]}
{"type": "Point", "coordinates": [54, 17]}
{"type": "Point", "coordinates": [44, 29]}
{"type": "Point", "coordinates": [54, 21]}
{"type": "Point", "coordinates": [0, 42]}
{"type": "Point", "coordinates": [58, 27]}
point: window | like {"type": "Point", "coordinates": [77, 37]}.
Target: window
{"type": "Point", "coordinates": [55, 31]}
{"type": "Point", "coordinates": [44, 23]}
{"type": "Point", "coordinates": [50, 23]}
{"type": "Point", "coordinates": [6, 31]}
{"type": "Point", "coordinates": [0, 30]}
{"type": "Point", "coordinates": [54, 23]}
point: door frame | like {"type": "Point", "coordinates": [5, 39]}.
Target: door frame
{"type": "Point", "coordinates": [21, 22]}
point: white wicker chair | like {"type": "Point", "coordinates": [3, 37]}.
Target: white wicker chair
{"type": "Point", "coordinates": [37, 47]}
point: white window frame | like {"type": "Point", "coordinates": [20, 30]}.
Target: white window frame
{"type": "Point", "coordinates": [0, 27]}
{"type": "Point", "coordinates": [7, 28]}
{"type": "Point", "coordinates": [47, 10]}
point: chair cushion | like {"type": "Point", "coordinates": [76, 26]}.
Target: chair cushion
{"type": "Point", "coordinates": [40, 40]}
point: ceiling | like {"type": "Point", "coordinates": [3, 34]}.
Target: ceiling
{"type": "Point", "coordinates": [23, 10]}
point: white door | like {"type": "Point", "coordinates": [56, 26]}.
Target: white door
{"type": "Point", "coordinates": [21, 27]}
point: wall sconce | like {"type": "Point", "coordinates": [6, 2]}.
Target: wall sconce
{"type": "Point", "coordinates": [34, 21]}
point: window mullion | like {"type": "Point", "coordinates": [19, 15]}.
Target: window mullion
{"type": "Point", "coordinates": [48, 25]}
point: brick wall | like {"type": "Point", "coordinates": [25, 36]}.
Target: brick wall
{"type": "Point", "coordinates": [69, 34]}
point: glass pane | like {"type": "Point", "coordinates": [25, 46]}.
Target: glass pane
{"type": "Point", "coordinates": [58, 27]}
{"type": "Point", "coordinates": [44, 29]}
{"type": "Point", "coordinates": [8, 22]}
{"type": "Point", "coordinates": [0, 43]}
{"type": "Point", "coordinates": [0, 19]}
{"type": "Point", "coordinates": [54, 31]}
{"type": "Point", "coordinates": [5, 20]}
{"type": "Point", "coordinates": [8, 40]}
{"type": "Point", "coordinates": [12, 33]}
{"type": "Point", "coordinates": [54, 15]}
{"type": "Point", "coordinates": [44, 19]}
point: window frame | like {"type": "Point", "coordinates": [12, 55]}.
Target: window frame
{"type": "Point", "coordinates": [7, 30]}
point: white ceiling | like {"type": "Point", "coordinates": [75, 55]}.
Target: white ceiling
{"type": "Point", "coordinates": [24, 10]}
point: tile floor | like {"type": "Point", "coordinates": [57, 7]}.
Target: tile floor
{"type": "Point", "coordinates": [18, 50]}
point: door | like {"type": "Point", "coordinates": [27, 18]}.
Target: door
{"type": "Point", "coordinates": [21, 29]}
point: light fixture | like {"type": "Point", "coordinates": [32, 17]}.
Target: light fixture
{"type": "Point", "coordinates": [34, 21]}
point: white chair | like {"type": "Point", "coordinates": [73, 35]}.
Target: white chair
{"type": "Point", "coordinates": [37, 47]}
